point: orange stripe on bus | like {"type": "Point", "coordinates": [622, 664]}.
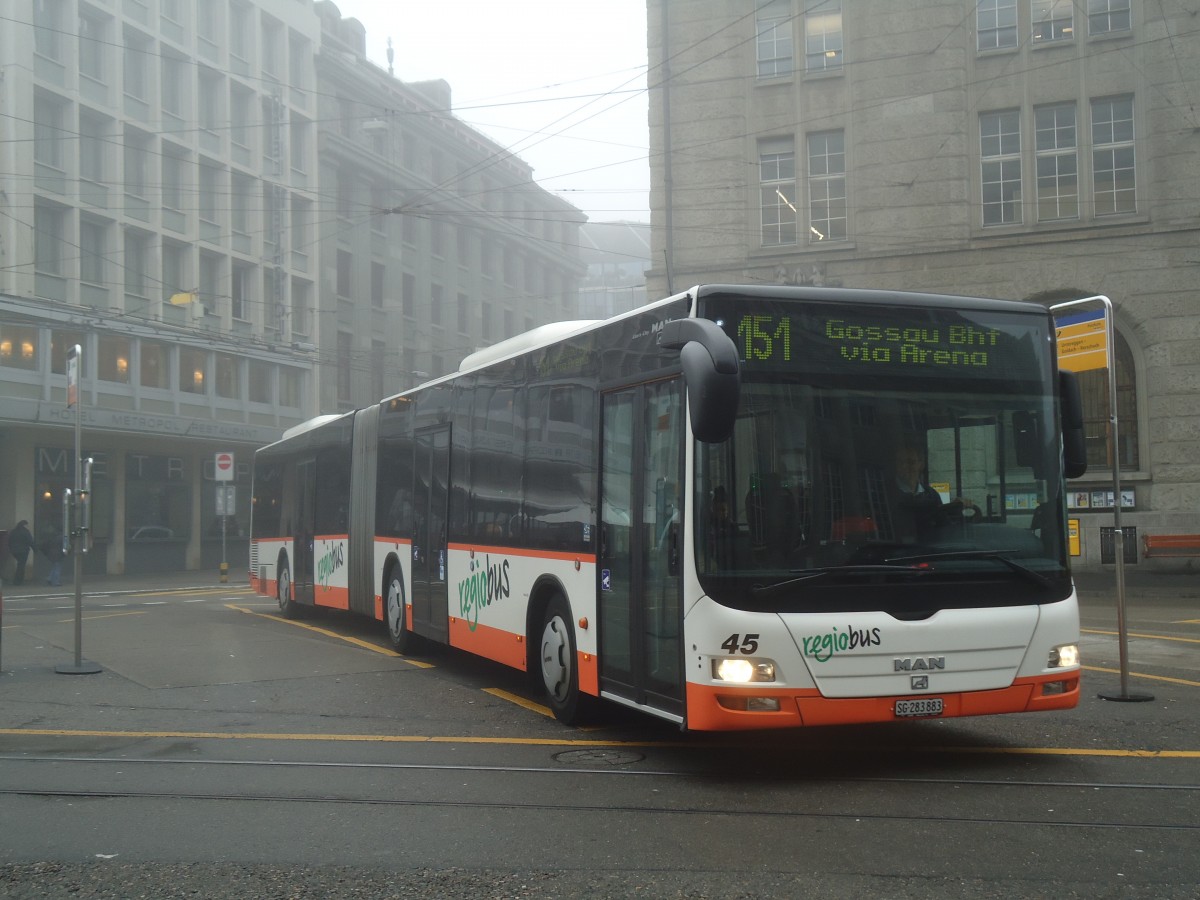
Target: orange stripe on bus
{"type": "Point", "coordinates": [484, 640]}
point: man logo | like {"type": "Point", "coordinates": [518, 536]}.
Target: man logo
{"type": "Point", "coordinates": [920, 682]}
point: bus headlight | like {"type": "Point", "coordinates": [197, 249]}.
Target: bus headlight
{"type": "Point", "coordinates": [743, 671]}
{"type": "Point", "coordinates": [1064, 656]}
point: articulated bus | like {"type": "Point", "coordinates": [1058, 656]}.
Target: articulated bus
{"type": "Point", "coordinates": [701, 509]}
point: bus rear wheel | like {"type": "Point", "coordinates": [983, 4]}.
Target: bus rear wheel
{"type": "Point", "coordinates": [559, 663]}
{"type": "Point", "coordinates": [397, 623]}
{"type": "Point", "coordinates": [283, 592]}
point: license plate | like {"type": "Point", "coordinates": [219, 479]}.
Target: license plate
{"type": "Point", "coordinates": [926, 706]}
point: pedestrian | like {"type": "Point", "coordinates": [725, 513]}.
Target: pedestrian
{"type": "Point", "coordinates": [52, 548]}
{"type": "Point", "coordinates": [20, 542]}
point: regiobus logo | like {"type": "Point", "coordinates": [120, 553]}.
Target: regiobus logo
{"type": "Point", "coordinates": [487, 584]}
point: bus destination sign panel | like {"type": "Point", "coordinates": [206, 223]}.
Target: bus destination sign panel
{"type": "Point", "coordinates": [886, 340]}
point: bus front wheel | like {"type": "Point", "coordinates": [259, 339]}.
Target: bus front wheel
{"type": "Point", "coordinates": [559, 663]}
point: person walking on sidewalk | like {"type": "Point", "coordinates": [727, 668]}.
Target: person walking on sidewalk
{"type": "Point", "coordinates": [20, 542]}
{"type": "Point", "coordinates": [52, 548]}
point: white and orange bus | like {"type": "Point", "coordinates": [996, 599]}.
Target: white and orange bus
{"type": "Point", "coordinates": [694, 509]}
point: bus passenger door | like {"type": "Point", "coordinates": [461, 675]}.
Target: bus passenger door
{"type": "Point", "coordinates": [641, 551]}
{"type": "Point", "coordinates": [431, 497]}
{"type": "Point", "coordinates": [304, 531]}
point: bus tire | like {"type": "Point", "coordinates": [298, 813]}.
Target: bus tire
{"type": "Point", "coordinates": [559, 663]}
{"type": "Point", "coordinates": [288, 608]}
{"type": "Point", "coordinates": [401, 639]}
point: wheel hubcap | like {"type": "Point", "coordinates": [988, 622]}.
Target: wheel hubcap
{"type": "Point", "coordinates": [395, 610]}
{"type": "Point", "coordinates": [556, 658]}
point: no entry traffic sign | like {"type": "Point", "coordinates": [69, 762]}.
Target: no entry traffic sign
{"type": "Point", "coordinates": [223, 467]}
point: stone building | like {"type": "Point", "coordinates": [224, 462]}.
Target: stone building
{"type": "Point", "coordinates": [193, 191]}
{"type": "Point", "coordinates": [1038, 149]}
{"type": "Point", "coordinates": [440, 243]}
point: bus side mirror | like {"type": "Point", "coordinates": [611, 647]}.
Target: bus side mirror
{"type": "Point", "coordinates": [1074, 444]}
{"type": "Point", "coordinates": [710, 370]}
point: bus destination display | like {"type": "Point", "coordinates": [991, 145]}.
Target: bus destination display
{"type": "Point", "coordinates": [826, 338]}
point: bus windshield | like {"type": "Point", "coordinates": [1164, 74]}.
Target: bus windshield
{"type": "Point", "coordinates": [910, 450]}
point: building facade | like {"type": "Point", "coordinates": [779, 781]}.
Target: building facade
{"type": "Point", "coordinates": [434, 240]}
{"type": "Point", "coordinates": [167, 204]}
{"type": "Point", "coordinates": [1036, 149]}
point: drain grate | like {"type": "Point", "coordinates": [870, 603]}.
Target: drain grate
{"type": "Point", "coordinates": [598, 757]}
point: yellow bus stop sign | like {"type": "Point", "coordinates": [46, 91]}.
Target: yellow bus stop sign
{"type": "Point", "coordinates": [1082, 341]}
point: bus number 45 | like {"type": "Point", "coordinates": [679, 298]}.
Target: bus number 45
{"type": "Point", "coordinates": [736, 643]}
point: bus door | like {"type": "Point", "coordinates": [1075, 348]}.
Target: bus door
{"type": "Point", "coordinates": [304, 530]}
{"type": "Point", "coordinates": [431, 497]}
{"type": "Point", "coordinates": [641, 549]}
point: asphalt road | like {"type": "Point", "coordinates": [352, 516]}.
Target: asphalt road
{"type": "Point", "coordinates": [224, 752]}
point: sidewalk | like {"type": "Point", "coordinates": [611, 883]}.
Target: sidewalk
{"type": "Point", "coordinates": [146, 581]}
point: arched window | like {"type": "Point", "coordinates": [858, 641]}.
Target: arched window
{"type": "Point", "coordinates": [1094, 387]}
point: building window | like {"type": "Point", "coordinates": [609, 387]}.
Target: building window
{"type": "Point", "coordinates": [1113, 178]}
{"type": "Point", "coordinates": [239, 30]}
{"type": "Point", "coordinates": [773, 30]}
{"type": "Point", "coordinates": [211, 90]}
{"type": "Point", "coordinates": [174, 276]}
{"type": "Point", "coordinates": [48, 132]}
{"type": "Point", "coordinates": [18, 347]}
{"type": "Point", "coordinates": [260, 382]}
{"type": "Point", "coordinates": [298, 132]}
{"type": "Point", "coordinates": [172, 86]}
{"type": "Point", "coordinates": [1057, 162]}
{"type": "Point", "coordinates": [464, 306]}
{"type": "Point", "coordinates": [210, 192]}
{"type": "Point", "coordinates": [135, 164]}
{"type": "Point", "coordinates": [290, 381]}
{"type": "Point", "coordinates": [92, 44]}
{"type": "Point", "coordinates": [1108, 16]}
{"type": "Point", "coordinates": [823, 36]}
{"type": "Point", "coordinates": [239, 116]}
{"type": "Point", "coordinates": [1000, 158]}
{"type": "Point", "coordinates": [229, 382]}
{"type": "Point", "coordinates": [377, 275]}
{"type": "Point", "coordinates": [435, 304]}
{"type": "Point", "coordinates": [243, 186]}
{"type": "Point", "coordinates": [239, 290]}
{"type": "Point", "coordinates": [61, 343]}
{"type": "Point", "coordinates": [193, 366]}
{"type": "Point", "coordinates": [172, 180]}
{"type": "Point", "coordinates": [1053, 20]}
{"type": "Point", "coordinates": [92, 146]}
{"type": "Point", "coordinates": [112, 360]}
{"type": "Point", "coordinates": [996, 24]}
{"type": "Point", "coordinates": [210, 280]}
{"type": "Point", "coordinates": [408, 294]}
{"type": "Point", "coordinates": [345, 263]}
{"type": "Point", "coordinates": [345, 350]}
{"type": "Point", "coordinates": [378, 369]}
{"type": "Point", "coordinates": [777, 190]}
{"type": "Point", "coordinates": [827, 186]}
{"type": "Point", "coordinates": [91, 253]}
{"type": "Point", "coordinates": [301, 291]}
{"type": "Point", "coordinates": [47, 28]}
{"type": "Point", "coordinates": [154, 364]}
{"type": "Point", "coordinates": [48, 223]}
{"type": "Point", "coordinates": [136, 56]}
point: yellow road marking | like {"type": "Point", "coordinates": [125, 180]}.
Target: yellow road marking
{"type": "Point", "coordinates": [554, 742]}
{"type": "Point", "coordinates": [358, 642]}
{"type": "Point", "coordinates": [520, 701]}
{"type": "Point", "coordinates": [1183, 681]}
{"type": "Point", "coordinates": [1187, 622]}
{"type": "Point", "coordinates": [1153, 637]}
{"type": "Point", "coordinates": [104, 616]}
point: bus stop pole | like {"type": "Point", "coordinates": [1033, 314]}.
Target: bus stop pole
{"type": "Point", "coordinates": [1118, 533]}
{"type": "Point", "coordinates": [75, 512]}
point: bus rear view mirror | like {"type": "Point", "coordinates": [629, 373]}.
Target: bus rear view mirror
{"type": "Point", "coordinates": [1074, 443]}
{"type": "Point", "coordinates": [710, 370]}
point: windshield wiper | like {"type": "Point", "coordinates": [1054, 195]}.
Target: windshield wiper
{"type": "Point", "coordinates": [998, 555]}
{"type": "Point", "coordinates": [803, 575]}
